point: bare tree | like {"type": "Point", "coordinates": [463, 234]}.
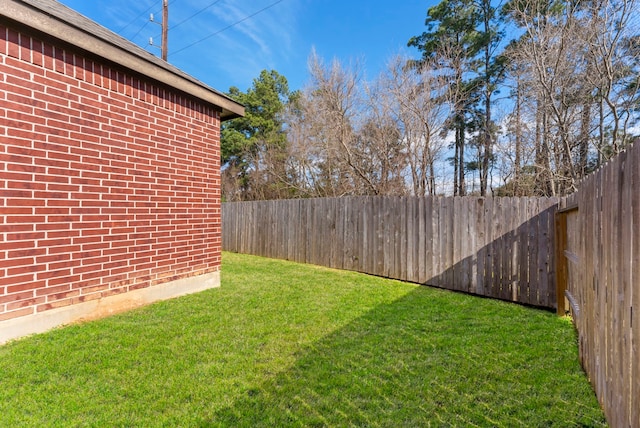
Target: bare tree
{"type": "Point", "coordinates": [553, 55]}
{"type": "Point", "coordinates": [516, 150]}
{"type": "Point", "coordinates": [322, 131]}
{"type": "Point", "coordinates": [343, 137]}
{"type": "Point", "coordinates": [379, 142]}
{"type": "Point", "coordinates": [420, 102]}
{"type": "Point", "coordinates": [581, 65]}
{"type": "Point", "coordinates": [614, 54]}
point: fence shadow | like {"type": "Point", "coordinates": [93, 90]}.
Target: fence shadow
{"type": "Point", "coordinates": [517, 266]}
{"type": "Point", "coordinates": [425, 359]}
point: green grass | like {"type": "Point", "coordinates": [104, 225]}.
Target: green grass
{"type": "Point", "coordinates": [284, 344]}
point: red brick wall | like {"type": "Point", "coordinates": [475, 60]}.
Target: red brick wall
{"type": "Point", "coordinates": [108, 182]}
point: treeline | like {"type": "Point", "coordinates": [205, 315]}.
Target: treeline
{"type": "Point", "coordinates": [522, 98]}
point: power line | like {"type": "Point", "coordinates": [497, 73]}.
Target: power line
{"type": "Point", "coordinates": [140, 30]}
{"type": "Point", "coordinates": [135, 19]}
{"type": "Point", "coordinates": [228, 26]}
{"type": "Point", "coordinates": [195, 14]}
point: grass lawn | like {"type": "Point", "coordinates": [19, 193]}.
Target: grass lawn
{"type": "Point", "coordinates": [284, 344]}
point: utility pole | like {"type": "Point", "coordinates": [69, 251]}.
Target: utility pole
{"type": "Point", "coordinates": [165, 29]}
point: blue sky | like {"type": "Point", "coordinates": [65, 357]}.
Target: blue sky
{"type": "Point", "coordinates": [279, 38]}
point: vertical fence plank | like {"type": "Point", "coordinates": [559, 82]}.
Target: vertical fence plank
{"type": "Point", "coordinates": [387, 236]}
{"type": "Point", "coordinates": [264, 233]}
{"type": "Point", "coordinates": [397, 217]}
{"type": "Point", "coordinates": [245, 239]}
{"type": "Point", "coordinates": [436, 258]}
{"type": "Point", "coordinates": [295, 231]}
{"type": "Point", "coordinates": [272, 246]}
{"type": "Point", "coordinates": [230, 224]}
{"type": "Point", "coordinates": [302, 244]}
{"type": "Point", "coordinates": [513, 249]}
{"type": "Point", "coordinates": [474, 233]}
{"type": "Point", "coordinates": [466, 246]}
{"type": "Point", "coordinates": [597, 333]}
{"type": "Point", "coordinates": [481, 241]}
{"type": "Point", "coordinates": [418, 237]}
{"type": "Point", "coordinates": [518, 219]}
{"type": "Point", "coordinates": [461, 259]}
{"type": "Point", "coordinates": [331, 219]}
{"type": "Point", "coordinates": [421, 241]}
{"type": "Point", "coordinates": [254, 239]}
{"type": "Point", "coordinates": [446, 241]}
{"type": "Point", "coordinates": [366, 263]}
{"type": "Point", "coordinates": [439, 251]}
{"type": "Point", "coordinates": [455, 235]}
{"type": "Point", "coordinates": [496, 267]}
{"type": "Point", "coordinates": [543, 236]}
{"type": "Point", "coordinates": [607, 239]}
{"type": "Point", "coordinates": [429, 268]}
{"type": "Point", "coordinates": [617, 335]}
{"type": "Point", "coordinates": [355, 213]}
{"type": "Point", "coordinates": [379, 236]}
{"type": "Point", "coordinates": [290, 228]}
{"type": "Point", "coordinates": [245, 234]}
{"type": "Point", "coordinates": [411, 227]}
{"type": "Point", "coordinates": [329, 223]}
{"type": "Point", "coordinates": [634, 309]}
{"type": "Point", "coordinates": [399, 267]}
{"type": "Point", "coordinates": [434, 247]}
{"type": "Point", "coordinates": [561, 261]}
{"type": "Point", "coordinates": [339, 242]}
{"type": "Point", "coordinates": [506, 292]}
{"type": "Point", "coordinates": [625, 267]}
{"type": "Point", "coordinates": [504, 257]}
{"type": "Point", "coordinates": [592, 251]}
{"type": "Point", "coordinates": [507, 255]}
{"type": "Point", "coordinates": [487, 257]}
{"type": "Point", "coordinates": [618, 291]}
{"type": "Point", "coordinates": [551, 245]}
{"type": "Point", "coordinates": [523, 253]}
{"type": "Point", "coordinates": [534, 280]}
{"type": "Point", "coordinates": [307, 232]}
{"type": "Point", "coordinates": [496, 258]}
{"type": "Point", "coordinates": [316, 231]}
{"type": "Point", "coordinates": [284, 221]}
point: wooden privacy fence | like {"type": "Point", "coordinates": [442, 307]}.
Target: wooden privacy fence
{"type": "Point", "coordinates": [495, 247]}
{"type": "Point", "coordinates": [599, 265]}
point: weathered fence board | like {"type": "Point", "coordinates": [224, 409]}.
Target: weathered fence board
{"type": "Point", "coordinates": [635, 287]}
{"type": "Point", "coordinates": [494, 247]}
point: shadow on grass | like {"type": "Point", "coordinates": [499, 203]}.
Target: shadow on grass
{"type": "Point", "coordinates": [429, 360]}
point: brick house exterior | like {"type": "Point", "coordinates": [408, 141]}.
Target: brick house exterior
{"type": "Point", "coordinates": [109, 172]}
